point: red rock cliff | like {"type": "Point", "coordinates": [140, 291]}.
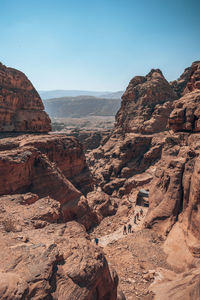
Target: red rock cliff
{"type": "Point", "coordinates": [21, 109]}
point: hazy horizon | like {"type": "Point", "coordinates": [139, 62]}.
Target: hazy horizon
{"type": "Point", "coordinates": [98, 45]}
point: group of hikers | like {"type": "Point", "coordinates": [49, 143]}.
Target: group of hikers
{"type": "Point", "coordinates": [136, 217]}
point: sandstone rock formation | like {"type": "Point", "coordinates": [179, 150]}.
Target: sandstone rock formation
{"type": "Point", "coordinates": [133, 146]}
{"type": "Point", "coordinates": [121, 158]}
{"type": "Point", "coordinates": [146, 104]}
{"type": "Point", "coordinates": [44, 253]}
{"type": "Point", "coordinates": [174, 192]}
{"type": "Point", "coordinates": [188, 81]}
{"type": "Point", "coordinates": [44, 260]}
{"type": "Point", "coordinates": [21, 109]}
{"type": "Point", "coordinates": [47, 165]}
{"type": "Point", "coordinates": [90, 139]}
{"type": "Point", "coordinates": [177, 286]}
{"type": "Point", "coordinates": [186, 113]}
{"type": "Point", "coordinates": [165, 153]}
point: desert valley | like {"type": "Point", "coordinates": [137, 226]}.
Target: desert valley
{"type": "Point", "coordinates": [67, 195]}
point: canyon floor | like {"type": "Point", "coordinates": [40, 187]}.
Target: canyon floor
{"type": "Point", "coordinates": [136, 256]}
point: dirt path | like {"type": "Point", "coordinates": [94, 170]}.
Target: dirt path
{"type": "Point", "coordinates": [134, 256]}
{"type": "Point", "coordinates": [118, 234]}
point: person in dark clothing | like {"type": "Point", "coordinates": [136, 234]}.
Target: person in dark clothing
{"type": "Point", "coordinates": [141, 212]}
{"type": "Point", "coordinates": [135, 220]}
{"type": "Point", "coordinates": [96, 241]}
{"type": "Point", "coordinates": [129, 228]}
{"type": "Point", "coordinates": [124, 232]}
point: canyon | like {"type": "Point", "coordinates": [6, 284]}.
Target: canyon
{"type": "Point", "coordinates": [57, 196]}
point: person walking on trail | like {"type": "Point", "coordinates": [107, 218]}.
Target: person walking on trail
{"type": "Point", "coordinates": [137, 215]}
{"type": "Point", "coordinates": [135, 219]}
{"type": "Point", "coordinates": [96, 241]}
{"type": "Point", "coordinates": [141, 212]}
{"type": "Point", "coordinates": [129, 228]}
{"type": "Point", "coordinates": [124, 232]}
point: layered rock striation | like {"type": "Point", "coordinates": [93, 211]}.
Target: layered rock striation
{"type": "Point", "coordinates": [21, 108]}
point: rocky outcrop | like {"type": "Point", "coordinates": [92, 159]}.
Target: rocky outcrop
{"type": "Point", "coordinates": [175, 190]}
{"type": "Point", "coordinates": [54, 261]}
{"type": "Point", "coordinates": [66, 152]}
{"type": "Point", "coordinates": [146, 104]}
{"type": "Point", "coordinates": [121, 158]}
{"type": "Point", "coordinates": [177, 286]}
{"type": "Point", "coordinates": [21, 108]}
{"type": "Point", "coordinates": [188, 81]}
{"type": "Point", "coordinates": [133, 146]}
{"type": "Point", "coordinates": [186, 113]}
{"type": "Point", "coordinates": [90, 139]}
{"type": "Point", "coordinates": [102, 204]}
{"type": "Point", "coordinates": [47, 165]}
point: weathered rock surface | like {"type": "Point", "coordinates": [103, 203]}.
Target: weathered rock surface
{"type": "Point", "coordinates": [188, 81]}
{"type": "Point", "coordinates": [186, 113]}
{"type": "Point", "coordinates": [102, 204]}
{"type": "Point", "coordinates": [66, 152]}
{"type": "Point", "coordinates": [89, 138]}
{"type": "Point", "coordinates": [47, 165]}
{"type": "Point", "coordinates": [167, 158]}
{"type": "Point", "coordinates": [134, 146]}
{"type": "Point", "coordinates": [21, 108]}
{"type": "Point", "coordinates": [54, 261]}
{"type": "Point", "coordinates": [120, 158]}
{"type": "Point", "coordinates": [175, 286]}
{"type": "Point", "coordinates": [146, 104]}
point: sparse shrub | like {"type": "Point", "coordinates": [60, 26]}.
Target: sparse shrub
{"type": "Point", "coordinates": [9, 225]}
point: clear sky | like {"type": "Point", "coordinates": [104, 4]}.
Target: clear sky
{"type": "Point", "coordinates": [98, 44]}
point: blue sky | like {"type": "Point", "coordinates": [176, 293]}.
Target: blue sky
{"type": "Point", "coordinates": [98, 44]}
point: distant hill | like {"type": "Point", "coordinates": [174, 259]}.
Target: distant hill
{"type": "Point", "coordinates": [115, 95]}
{"type": "Point", "coordinates": [81, 106]}
{"type": "Point", "coordinates": [74, 93]}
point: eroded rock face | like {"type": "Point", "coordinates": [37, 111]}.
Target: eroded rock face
{"type": "Point", "coordinates": [47, 165]}
{"type": "Point", "coordinates": [65, 151]}
{"type": "Point", "coordinates": [146, 104]}
{"type": "Point", "coordinates": [115, 164]}
{"type": "Point", "coordinates": [21, 109]}
{"type": "Point", "coordinates": [188, 81]}
{"type": "Point", "coordinates": [54, 261]}
{"type": "Point", "coordinates": [177, 286]}
{"type": "Point", "coordinates": [133, 146]}
{"type": "Point", "coordinates": [174, 193]}
{"type": "Point", "coordinates": [186, 113]}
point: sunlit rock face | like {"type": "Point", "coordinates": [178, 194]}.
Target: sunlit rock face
{"type": "Point", "coordinates": [21, 108]}
{"type": "Point", "coordinates": [146, 104]}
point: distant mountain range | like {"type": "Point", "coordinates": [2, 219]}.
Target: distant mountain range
{"type": "Point", "coordinates": [81, 106]}
{"type": "Point", "coordinates": [74, 93]}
